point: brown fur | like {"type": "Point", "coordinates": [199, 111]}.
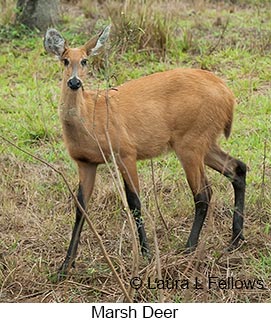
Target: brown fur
{"type": "Point", "coordinates": [182, 109]}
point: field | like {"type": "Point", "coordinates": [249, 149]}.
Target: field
{"type": "Point", "coordinates": [231, 39]}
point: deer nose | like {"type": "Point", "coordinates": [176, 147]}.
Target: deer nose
{"type": "Point", "coordinates": [74, 83]}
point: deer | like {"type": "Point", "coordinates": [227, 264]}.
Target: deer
{"type": "Point", "coordinates": [184, 110]}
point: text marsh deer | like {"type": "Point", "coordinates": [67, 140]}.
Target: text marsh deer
{"type": "Point", "coordinates": [185, 110]}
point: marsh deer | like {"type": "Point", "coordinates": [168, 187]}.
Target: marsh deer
{"type": "Point", "coordinates": [184, 110]}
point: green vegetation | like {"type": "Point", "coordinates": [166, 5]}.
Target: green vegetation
{"type": "Point", "coordinates": [36, 211]}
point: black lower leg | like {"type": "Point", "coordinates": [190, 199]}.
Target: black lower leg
{"type": "Point", "coordinates": [201, 207]}
{"type": "Point", "coordinates": [78, 225]}
{"type": "Point", "coordinates": [239, 185]}
{"type": "Point", "coordinates": [135, 207]}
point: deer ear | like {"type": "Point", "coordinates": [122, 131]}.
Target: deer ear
{"type": "Point", "coordinates": [94, 45]}
{"type": "Point", "coordinates": [54, 43]}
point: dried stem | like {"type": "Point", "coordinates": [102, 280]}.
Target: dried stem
{"type": "Point", "coordinates": [214, 47]}
{"type": "Point", "coordinates": [131, 223]}
{"type": "Point", "coordinates": [155, 197]}
{"type": "Point", "coordinates": [264, 170]}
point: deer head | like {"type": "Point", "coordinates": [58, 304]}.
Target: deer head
{"type": "Point", "coordinates": [74, 59]}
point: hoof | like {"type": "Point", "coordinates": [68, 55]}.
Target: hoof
{"type": "Point", "coordinates": [57, 277]}
{"type": "Point", "coordinates": [189, 249]}
{"type": "Point", "coordinates": [235, 242]}
{"type": "Point", "coordinates": [61, 276]}
{"type": "Point", "coordinates": [147, 254]}
{"type": "Point", "coordinates": [63, 271]}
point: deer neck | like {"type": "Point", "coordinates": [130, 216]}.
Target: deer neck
{"type": "Point", "coordinates": [72, 103]}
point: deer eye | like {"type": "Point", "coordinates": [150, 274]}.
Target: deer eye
{"type": "Point", "coordinates": [84, 62]}
{"type": "Point", "coordinates": [65, 61]}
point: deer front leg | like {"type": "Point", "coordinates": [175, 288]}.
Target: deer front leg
{"type": "Point", "coordinates": [87, 174]}
{"type": "Point", "coordinates": [128, 170]}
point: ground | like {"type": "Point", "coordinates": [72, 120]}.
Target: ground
{"type": "Point", "coordinates": [36, 209]}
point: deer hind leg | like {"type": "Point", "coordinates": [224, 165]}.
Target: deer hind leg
{"type": "Point", "coordinates": [235, 171]}
{"type": "Point", "coordinates": [194, 168]}
{"type": "Point", "coordinates": [87, 174]}
{"type": "Point", "coordinates": [128, 170]}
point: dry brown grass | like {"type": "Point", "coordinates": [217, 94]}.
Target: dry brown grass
{"type": "Point", "coordinates": [36, 215]}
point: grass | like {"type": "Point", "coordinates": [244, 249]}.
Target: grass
{"type": "Point", "coordinates": [36, 210]}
